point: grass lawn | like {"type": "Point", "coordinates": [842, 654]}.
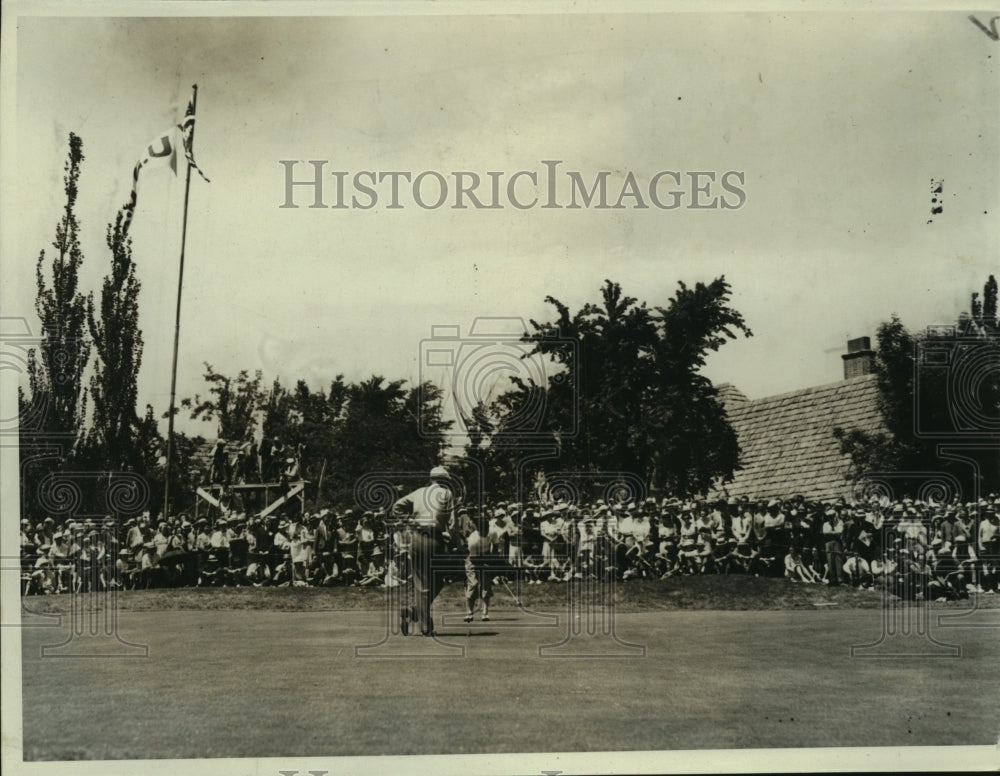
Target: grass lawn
{"type": "Point", "coordinates": [222, 681]}
{"type": "Point", "coordinates": [709, 592]}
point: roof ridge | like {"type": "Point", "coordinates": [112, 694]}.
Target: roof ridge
{"type": "Point", "coordinates": [816, 388]}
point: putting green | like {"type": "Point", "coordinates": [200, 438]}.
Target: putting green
{"type": "Point", "coordinates": [267, 683]}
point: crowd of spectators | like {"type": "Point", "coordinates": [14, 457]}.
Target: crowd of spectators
{"type": "Point", "coordinates": [913, 549]}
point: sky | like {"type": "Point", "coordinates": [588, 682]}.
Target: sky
{"type": "Point", "coordinates": [836, 122]}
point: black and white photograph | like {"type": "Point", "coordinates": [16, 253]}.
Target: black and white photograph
{"type": "Point", "coordinates": [528, 388]}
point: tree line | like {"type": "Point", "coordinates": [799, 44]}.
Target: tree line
{"type": "Point", "coordinates": [620, 389]}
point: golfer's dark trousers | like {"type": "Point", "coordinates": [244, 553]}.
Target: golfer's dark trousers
{"type": "Point", "coordinates": [427, 547]}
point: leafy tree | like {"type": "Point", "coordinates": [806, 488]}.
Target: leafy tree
{"type": "Point", "coordinates": [349, 431]}
{"type": "Point", "coordinates": [921, 403]}
{"type": "Point", "coordinates": [55, 370]}
{"type": "Point", "coordinates": [380, 432]}
{"type": "Point", "coordinates": [304, 417]}
{"type": "Point", "coordinates": [118, 342]}
{"type": "Point", "coordinates": [233, 402]}
{"type": "Point", "coordinates": [630, 389]}
{"type": "Point", "coordinates": [54, 404]}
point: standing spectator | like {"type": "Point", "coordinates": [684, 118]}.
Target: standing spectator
{"type": "Point", "coordinates": [742, 527]}
{"type": "Point", "coordinates": [481, 558]}
{"type": "Point", "coordinates": [779, 534]}
{"type": "Point", "coordinates": [366, 541]}
{"type": "Point", "coordinates": [319, 527]}
{"type": "Point", "coordinates": [133, 537]}
{"type": "Point", "coordinates": [277, 461]}
{"type": "Point", "coordinates": [220, 464]}
{"type": "Point", "coordinates": [531, 545]}
{"type": "Point", "coordinates": [913, 532]}
{"type": "Point", "coordinates": [347, 547]}
{"type": "Point", "coordinates": [61, 563]}
{"type": "Point", "coordinates": [239, 467]}
{"type": "Point", "coordinates": [588, 535]}
{"type": "Point", "coordinates": [560, 545]}
{"type": "Point", "coordinates": [641, 530]}
{"type": "Point", "coordinates": [833, 530]}
{"type": "Point", "coordinates": [251, 459]}
{"type": "Point", "coordinates": [666, 554]}
{"type": "Point", "coordinates": [149, 566]}
{"type": "Point", "coordinates": [989, 533]}
{"type": "Point", "coordinates": [266, 456]}
{"type": "Point", "coordinates": [27, 539]}
{"type": "Point", "coordinates": [688, 530]}
{"type": "Point", "coordinates": [626, 523]}
{"type": "Point", "coordinates": [515, 538]}
{"type": "Point", "coordinates": [291, 472]}
{"type": "Point", "coordinates": [550, 532]}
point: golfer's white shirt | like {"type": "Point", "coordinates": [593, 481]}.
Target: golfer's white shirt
{"type": "Point", "coordinates": [429, 507]}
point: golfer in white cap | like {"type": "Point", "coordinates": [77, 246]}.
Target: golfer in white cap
{"type": "Point", "coordinates": [430, 513]}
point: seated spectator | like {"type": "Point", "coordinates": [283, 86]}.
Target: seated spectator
{"type": "Point", "coordinates": [125, 566]}
{"type": "Point", "coordinates": [392, 575]}
{"type": "Point", "coordinates": [150, 573]}
{"type": "Point", "coordinates": [796, 570]}
{"type": "Point", "coordinates": [43, 577]}
{"type": "Point", "coordinates": [633, 563]}
{"type": "Point", "coordinates": [743, 558]}
{"type": "Point", "coordinates": [706, 551]}
{"type": "Point", "coordinates": [947, 581]}
{"type": "Point", "coordinates": [258, 573]}
{"type": "Point", "coordinates": [857, 570]}
{"type": "Point", "coordinates": [722, 552]}
{"type": "Point", "coordinates": [687, 555]}
{"type": "Point", "coordinates": [883, 569]}
{"type": "Point", "coordinates": [329, 571]}
{"type": "Point", "coordinates": [375, 573]}
{"type": "Point", "coordinates": [968, 562]}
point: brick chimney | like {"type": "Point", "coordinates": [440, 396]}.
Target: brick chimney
{"type": "Point", "coordinates": [859, 358]}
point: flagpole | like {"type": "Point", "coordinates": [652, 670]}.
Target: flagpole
{"type": "Point", "coordinates": [177, 319]}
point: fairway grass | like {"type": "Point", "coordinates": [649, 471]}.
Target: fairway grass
{"type": "Point", "coordinates": [708, 592]}
{"type": "Point", "coordinates": [228, 682]}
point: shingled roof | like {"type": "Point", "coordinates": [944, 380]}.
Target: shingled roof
{"type": "Point", "coordinates": [787, 440]}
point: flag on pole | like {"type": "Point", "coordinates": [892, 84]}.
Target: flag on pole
{"type": "Point", "coordinates": [187, 132]}
{"type": "Point", "coordinates": [163, 152]}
